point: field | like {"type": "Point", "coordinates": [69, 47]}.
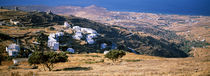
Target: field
{"type": "Point", "coordinates": [131, 64]}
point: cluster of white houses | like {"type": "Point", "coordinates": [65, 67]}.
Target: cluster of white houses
{"type": "Point", "coordinates": [88, 33]}
{"type": "Point", "coordinates": [53, 43]}
{"type": "Point", "coordinates": [53, 40]}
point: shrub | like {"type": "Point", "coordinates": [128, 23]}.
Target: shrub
{"type": "Point", "coordinates": [114, 55]}
{"type": "Point", "coordinates": [52, 28]}
{"type": "Point", "coordinates": [47, 59]}
{"type": "Point", "coordinates": [0, 58]}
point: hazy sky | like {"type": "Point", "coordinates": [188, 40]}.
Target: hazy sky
{"type": "Point", "coordinates": [174, 6]}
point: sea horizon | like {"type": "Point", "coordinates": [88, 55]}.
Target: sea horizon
{"type": "Point", "coordinates": [178, 7]}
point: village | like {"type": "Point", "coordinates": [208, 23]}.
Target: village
{"type": "Point", "coordinates": [53, 43]}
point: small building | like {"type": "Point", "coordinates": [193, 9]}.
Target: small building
{"type": "Point", "coordinates": [16, 8]}
{"type": "Point", "coordinates": [57, 34]}
{"type": "Point", "coordinates": [132, 50]}
{"type": "Point", "coordinates": [90, 41]}
{"type": "Point", "coordinates": [203, 40]}
{"type": "Point", "coordinates": [53, 44]}
{"type": "Point", "coordinates": [14, 22]}
{"type": "Point", "coordinates": [71, 50]}
{"type": "Point", "coordinates": [51, 36]}
{"type": "Point", "coordinates": [78, 36]}
{"type": "Point", "coordinates": [103, 45]}
{"type": "Point", "coordinates": [105, 52]}
{"type": "Point", "coordinates": [76, 29]}
{"type": "Point", "coordinates": [56, 46]}
{"type": "Point", "coordinates": [13, 49]}
{"type": "Point", "coordinates": [53, 40]}
{"type": "Point", "coordinates": [66, 25]}
{"type": "Point", "coordinates": [49, 12]}
{"type": "Point", "coordinates": [114, 46]}
{"type": "Point", "coordinates": [88, 31]}
{"type": "Point", "coordinates": [92, 35]}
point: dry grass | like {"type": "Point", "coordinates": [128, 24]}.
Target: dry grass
{"type": "Point", "coordinates": [130, 64]}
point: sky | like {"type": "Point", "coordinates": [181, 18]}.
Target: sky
{"type": "Point", "coordinates": [199, 7]}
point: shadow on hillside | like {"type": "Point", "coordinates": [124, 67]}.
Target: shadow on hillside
{"type": "Point", "coordinates": [75, 69]}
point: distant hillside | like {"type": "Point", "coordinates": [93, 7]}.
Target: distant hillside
{"type": "Point", "coordinates": [123, 38]}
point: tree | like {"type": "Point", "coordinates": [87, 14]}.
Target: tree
{"type": "Point", "coordinates": [42, 42]}
{"type": "Point", "coordinates": [114, 55]}
{"type": "Point", "coordinates": [1, 57]}
{"type": "Point", "coordinates": [47, 59]}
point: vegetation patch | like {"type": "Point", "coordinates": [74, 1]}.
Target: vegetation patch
{"type": "Point", "coordinates": [75, 69]}
{"type": "Point", "coordinates": [92, 62]}
{"type": "Point", "coordinates": [130, 60]}
{"type": "Point", "coordinates": [92, 56]}
{"type": "Point", "coordinates": [114, 55]}
{"type": "Point", "coordinates": [47, 59]}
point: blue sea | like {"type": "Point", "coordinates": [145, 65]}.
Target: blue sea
{"type": "Point", "coordinates": [180, 7]}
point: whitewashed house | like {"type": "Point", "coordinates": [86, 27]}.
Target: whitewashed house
{"type": "Point", "coordinates": [76, 29]}
{"type": "Point", "coordinates": [203, 40]}
{"type": "Point", "coordinates": [66, 25]}
{"type": "Point", "coordinates": [13, 49]}
{"type": "Point", "coordinates": [71, 50]}
{"type": "Point", "coordinates": [53, 40]}
{"type": "Point", "coordinates": [56, 46]}
{"type": "Point", "coordinates": [88, 31]}
{"type": "Point", "coordinates": [103, 45]}
{"type": "Point", "coordinates": [14, 22]}
{"type": "Point", "coordinates": [90, 41]}
{"type": "Point", "coordinates": [15, 61]}
{"type": "Point", "coordinates": [90, 34]}
{"type": "Point", "coordinates": [51, 36]}
{"type": "Point", "coordinates": [105, 52]}
{"type": "Point", "coordinates": [132, 50]}
{"type": "Point", "coordinates": [57, 34]}
{"type": "Point", "coordinates": [53, 44]}
{"type": "Point", "coordinates": [114, 46]}
{"type": "Point", "coordinates": [78, 36]}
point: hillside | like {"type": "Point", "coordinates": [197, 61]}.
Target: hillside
{"type": "Point", "coordinates": [31, 23]}
{"type": "Point", "coordinates": [94, 64]}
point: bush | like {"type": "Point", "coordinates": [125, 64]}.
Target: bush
{"type": "Point", "coordinates": [48, 59]}
{"type": "Point", "coordinates": [0, 58]}
{"type": "Point", "coordinates": [52, 28]}
{"type": "Point", "coordinates": [114, 55]}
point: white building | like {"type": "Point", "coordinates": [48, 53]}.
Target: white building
{"type": "Point", "coordinates": [88, 31]}
{"type": "Point", "coordinates": [52, 40]}
{"type": "Point", "coordinates": [132, 50]}
{"type": "Point", "coordinates": [78, 36]}
{"type": "Point", "coordinates": [51, 36]}
{"type": "Point", "coordinates": [14, 22]}
{"type": "Point", "coordinates": [103, 45]}
{"type": "Point", "coordinates": [66, 25]}
{"type": "Point", "coordinates": [105, 52]}
{"type": "Point", "coordinates": [71, 50]}
{"type": "Point", "coordinates": [90, 34]}
{"type": "Point", "coordinates": [53, 44]}
{"type": "Point", "coordinates": [76, 29]}
{"type": "Point", "coordinates": [90, 41]}
{"type": "Point", "coordinates": [13, 49]}
{"type": "Point", "coordinates": [56, 46]}
{"type": "Point", "coordinates": [57, 34]}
